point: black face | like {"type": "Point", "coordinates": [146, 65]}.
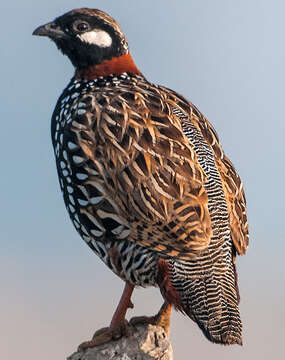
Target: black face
{"type": "Point", "coordinates": [86, 37]}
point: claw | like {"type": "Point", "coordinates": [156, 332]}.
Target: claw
{"type": "Point", "coordinates": [131, 305]}
{"type": "Point", "coordinates": [119, 326]}
{"type": "Point", "coordinates": [161, 319]}
{"type": "Point", "coordinates": [105, 335]}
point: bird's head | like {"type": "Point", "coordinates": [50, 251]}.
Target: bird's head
{"type": "Point", "coordinates": [91, 39]}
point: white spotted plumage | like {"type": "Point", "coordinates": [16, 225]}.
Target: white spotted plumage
{"type": "Point", "coordinates": [77, 198]}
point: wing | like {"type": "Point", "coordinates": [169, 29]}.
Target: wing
{"type": "Point", "coordinates": [149, 170]}
{"type": "Point", "coordinates": [150, 177]}
{"type": "Point", "coordinates": [232, 184]}
{"type": "Point", "coordinates": [235, 197]}
{"type": "Point", "coordinates": [233, 189]}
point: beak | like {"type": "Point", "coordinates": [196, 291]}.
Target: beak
{"type": "Point", "coordinates": [50, 30]}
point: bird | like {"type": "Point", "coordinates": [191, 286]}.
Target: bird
{"type": "Point", "coordinates": [146, 183]}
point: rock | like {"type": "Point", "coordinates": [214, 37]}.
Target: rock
{"type": "Point", "coordinates": [146, 342]}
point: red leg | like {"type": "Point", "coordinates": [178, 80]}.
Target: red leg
{"type": "Point", "coordinates": [118, 326]}
{"type": "Point", "coordinates": [124, 304]}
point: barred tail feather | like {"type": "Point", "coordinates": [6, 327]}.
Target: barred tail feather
{"type": "Point", "coordinates": [211, 300]}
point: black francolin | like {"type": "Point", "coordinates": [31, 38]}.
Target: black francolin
{"type": "Point", "coordinates": [146, 182]}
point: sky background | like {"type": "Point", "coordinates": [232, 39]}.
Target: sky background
{"type": "Point", "coordinates": [227, 57]}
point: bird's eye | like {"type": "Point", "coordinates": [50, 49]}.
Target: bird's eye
{"type": "Point", "coordinates": [81, 26]}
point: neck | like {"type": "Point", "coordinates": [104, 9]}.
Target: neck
{"type": "Point", "coordinates": [115, 66]}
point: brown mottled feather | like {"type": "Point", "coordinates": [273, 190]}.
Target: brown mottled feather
{"type": "Point", "coordinates": [232, 184]}
{"type": "Point", "coordinates": [151, 171]}
{"type": "Point", "coordinates": [233, 188]}
{"type": "Point", "coordinates": [236, 202]}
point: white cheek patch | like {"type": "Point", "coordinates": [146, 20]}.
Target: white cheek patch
{"type": "Point", "coordinates": [97, 37]}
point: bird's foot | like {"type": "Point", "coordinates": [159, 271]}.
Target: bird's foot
{"type": "Point", "coordinates": [162, 318]}
{"type": "Point", "coordinates": [152, 320]}
{"type": "Point", "coordinates": [105, 335]}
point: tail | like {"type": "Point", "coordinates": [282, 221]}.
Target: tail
{"type": "Point", "coordinates": [210, 298]}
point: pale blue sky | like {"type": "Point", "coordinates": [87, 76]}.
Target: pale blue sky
{"type": "Point", "coordinates": [227, 57]}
